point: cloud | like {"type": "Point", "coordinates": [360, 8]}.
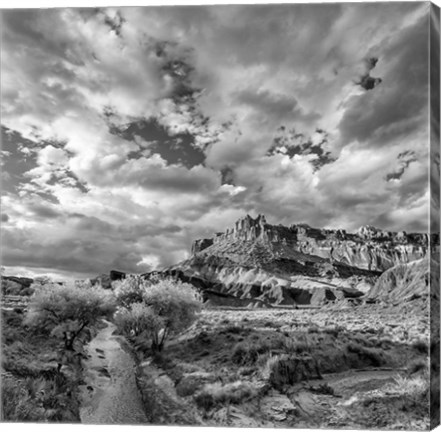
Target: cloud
{"type": "Point", "coordinates": [129, 132]}
{"type": "Point", "coordinates": [366, 81]}
{"type": "Point", "coordinates": [405, 159]}
{"type": "Point", "coordinates": [397, 107]}
{"type": "Point", "coordinates": [291, 143]}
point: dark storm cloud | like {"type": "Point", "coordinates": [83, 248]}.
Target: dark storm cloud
{"type": "Point", "coordinates": [292, 143]}
{"type": "Point", "coordinates": [107, 246]}
{"type": "Point", "coordinates": [404, 160]}
{"type": "Point", "coordinates": [19, 158]}
{"type": "Point", "coordinates": [366, 81]}
{"type": "Point", "coordinates": [175, 149]}
{"type": "Point", "coordinates": [115, 22]}
{"type": "Point", "coordinates": [395, 108]}
{"type": "Point", "coordinates": [193, 97]}
{"type": "Point", "coordinates": [68, 255]}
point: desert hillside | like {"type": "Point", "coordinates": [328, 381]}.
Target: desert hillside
{"type": "Point", "coordinates": [255, 263]}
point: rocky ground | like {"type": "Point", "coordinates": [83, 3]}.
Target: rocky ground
{"type": "Point", "coordinates": [354, 368]}
{"type": "Point", "coordinates": [292, 368]}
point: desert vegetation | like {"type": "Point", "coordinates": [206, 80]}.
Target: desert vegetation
{"type": "Point", "coordinates": [215, 366]}
{"type": "Point", "coordinates": [43, 347]}
{"type": "Point", "coordinates": [235, 368]}
{"type": "Point", "coordinates": [155, 311]}
{"type": "Point", "coordinates": [44, 340]}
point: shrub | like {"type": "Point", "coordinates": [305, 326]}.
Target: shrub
{"type": "Point", "coordinates": [38, 399]}
{"type": "Point", "coordinates": [367, 355]}
{"type": "Point", "coordinates": [421, 345]}
{"type": "Point", "coordinates": [217, 394]}
{"type": "Point", "coordinates": [234, 329]}
{"type": "Point", "coordinates": [168, 307]}
{"type": "Point", "coordinates": [66, 311]}
{"type": "Point", "coordinates": [414, 392]}
{"type": "Point", "coordinates": [137, 320]}
{"type": "Point", "coordinates": [245, 354]}
{"type": "Point", "coordinates": [12, 395]}
{"type": "Point", "coordinates": [288, 370]}
{"type": "Point", "coordinates": [268, 366]}
{"type": "Point", "coordinates": [325, 389]}
{"type": "Point", "coordinates": [130, 290]}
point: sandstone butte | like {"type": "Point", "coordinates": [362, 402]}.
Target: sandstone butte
{"type": "Point", "coordinates": [256, 264]}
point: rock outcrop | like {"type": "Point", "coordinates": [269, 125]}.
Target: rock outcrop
{"type": "Point", "coordinates": [369, 248]}
{"type": "Point", "coordinates": [254, 261]}
{"type": "Point", "coordinates": [256, 264]}
{"type": "Point", "coordinates": [402, 283]}
{"type": "Point", "coordinates": [13, 285]}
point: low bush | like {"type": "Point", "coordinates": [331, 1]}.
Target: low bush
{"type": "Point", "coordinates": [166, 308]}
{"type": "Point", "coordinates": [414, 391]}
{"type": "Point", "coordinates": [288, 370]}
{"type": "Point", "coordinates": [322, 389]}
{"type": "Point", "coordinates": [421, 346]}
{"type": "Point", "coordinates": [246, 354]}
{"type": "Point", "coordinates": [234, 329]}
{"type": "Point", "coordinates": [369, 356]}
{"type": "Point", "coordinates": [130, 290]}
{"type": "Point", "coordinates": [38, 399]}
{"type": "Point", "coordinates": [218, 394]}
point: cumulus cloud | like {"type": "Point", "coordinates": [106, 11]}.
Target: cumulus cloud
{"type": "Point", "coordinates": [129, 132]}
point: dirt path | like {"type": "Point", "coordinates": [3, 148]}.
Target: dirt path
{"type": "Point", "coordinates": [110, 394]}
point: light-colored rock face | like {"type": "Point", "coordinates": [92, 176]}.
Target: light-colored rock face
{"type": "Point", "coordinates": [370, 248]}
{"type": "Point", "coordinates": [403, 282]}
{"type": "Point", "coordinates": [255, 261]}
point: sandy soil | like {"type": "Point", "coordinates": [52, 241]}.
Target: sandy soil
{"type": "Point", "coordinates": [110, 394]}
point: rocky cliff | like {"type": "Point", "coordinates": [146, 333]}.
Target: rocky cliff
{"type": "Point", "coordinates": [402, 283]}
{"type": "Point", "coordinates": [254, 261]}
{"type": "Point", "coordinates": [369, 248]}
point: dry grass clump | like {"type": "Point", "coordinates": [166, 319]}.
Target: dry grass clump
{"type": "Point", "coordinates": [371, 355]}
{"type": "Point", "coordinates": [218, 394]}
{"type": "Point", "coordinates": [285, 370]}
{"type": "Point", "coordinates": [413, 392]}
{"type": "Point", "coordinates": [31, 387]}
{"type": "Point", "coordinates": [38, 399]}
{"type": "Point", "coordinates": [245, 353]}
{"type": "Point", "coordinates": [269, 363]}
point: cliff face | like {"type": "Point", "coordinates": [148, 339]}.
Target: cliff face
{"type": "Point", "coordinates": [407, 287]}
{"type": "Point", "coordinates": [369, 248]}
{"type": "Point", "coordinates": [255, 262]}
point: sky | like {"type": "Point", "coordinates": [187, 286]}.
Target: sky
{"type": "Point", "coordinates": [127, 133]}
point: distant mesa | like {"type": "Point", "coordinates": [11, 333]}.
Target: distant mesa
{"type": "Point", "coordinates": [263, 264]}
{"type": "Point", "coordinates": [257, 264]}
{"type": "Point", "coordinates": [369, 248]}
